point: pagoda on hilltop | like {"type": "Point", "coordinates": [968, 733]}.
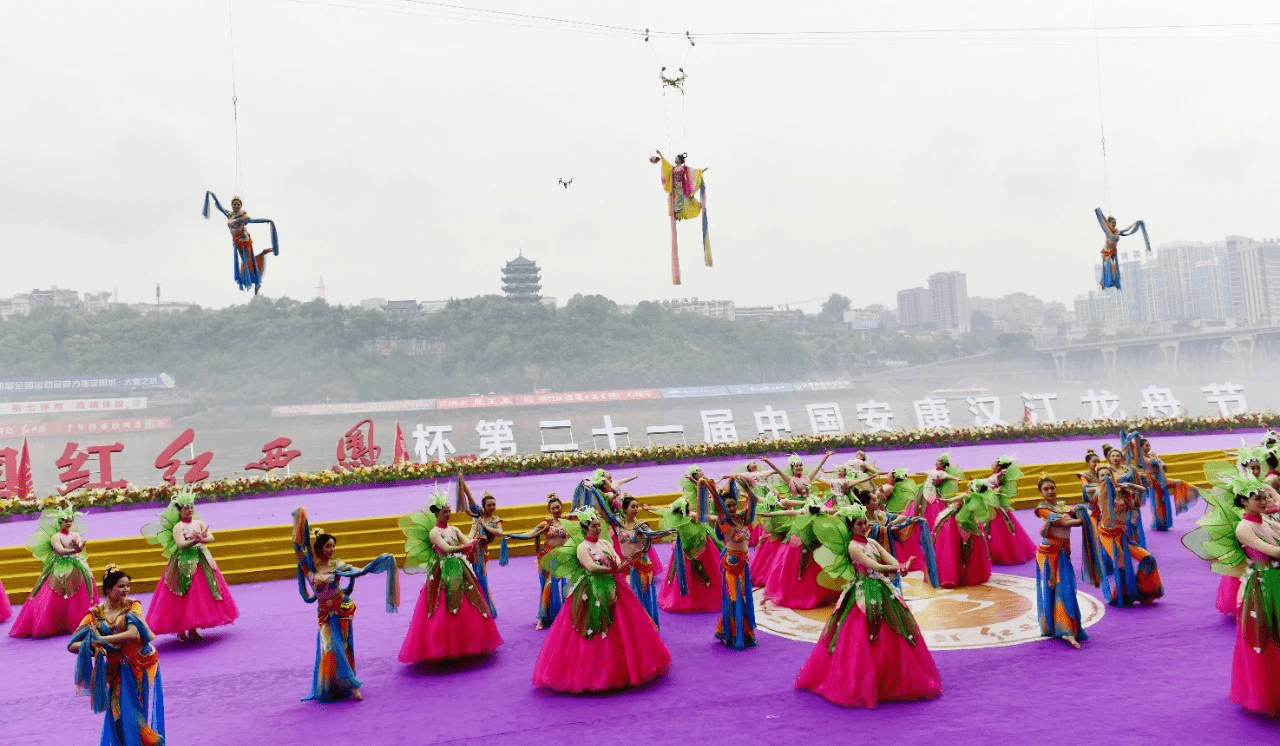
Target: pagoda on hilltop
{"type": "Point", "coordinates": [520, 280]}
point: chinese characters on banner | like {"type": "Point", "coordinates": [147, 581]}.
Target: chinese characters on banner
{"type": "Point", "coordinates": [356, 447]}
{"type": "Point", "coordinates": [167, 460]}
{"type": "Point", "coordinates": [74, 475]}
{"type": "Point", "coordinates": [91, 467]}
{"type": "Point", "coordinates": [275, 455]}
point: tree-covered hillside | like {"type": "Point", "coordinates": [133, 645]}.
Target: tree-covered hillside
{"type": "Point", "coordinates": [278, 352]}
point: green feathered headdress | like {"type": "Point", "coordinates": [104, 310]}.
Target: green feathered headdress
{"type": "Point", "coordinates": [1215, 539]}
{"type": "Point", "coordinates": [184, 499]}
{"type": "Point", "coordinates": [851, 512]}
{"type": "Point", "coordinates": [597, 478]}
{"type": "Point", "coordinates": [437, 500]}
{"type": "Point", "coordinates": [585, 516]}
{"type": "Point", "coordinates": [1250, 454]}
{"type": "Point", "coordinates": [795, 461]}
{"type": "Point", "coordinates": [64, 513]}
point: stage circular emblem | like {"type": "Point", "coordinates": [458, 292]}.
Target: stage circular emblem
{"type": "Point", "coordinates": [1000, 612]}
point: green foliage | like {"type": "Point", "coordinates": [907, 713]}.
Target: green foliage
{"type": "Point", "coordinates": [283, 351]}
{"type": "Point", "coordinates": [834, 307]}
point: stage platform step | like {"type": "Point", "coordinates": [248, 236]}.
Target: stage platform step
{"type": "Point", "coordinates": [262, 553]}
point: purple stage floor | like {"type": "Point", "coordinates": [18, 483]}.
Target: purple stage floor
{"type": "Point", "coordinates": [1151, 675]}
{"type": "Point", "coordinates": [532, 488]}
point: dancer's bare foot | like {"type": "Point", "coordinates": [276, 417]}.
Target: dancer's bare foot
{"type": "Point", "coordinates": [182, 636]}
{"type": "Point", "coordinates": [194, 635]}
{"type": "Point", "coordinates": [1071, 641]}
{"type": "Point", "coordinates": [537, 626]}
{"type": "Point", "coordinates": [356, 695]}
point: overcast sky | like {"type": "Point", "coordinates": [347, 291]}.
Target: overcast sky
{"type": "Point", "coordinates": [409, 156]}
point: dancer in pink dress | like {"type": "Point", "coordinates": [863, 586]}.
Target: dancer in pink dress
{"type": "Point", "coordinates": [792, 580]}
{"type": "Point", "coordinates": [604, 639]}
{"type": "Point", "coordinates": [65, 589]}
{"type": "Point", "coordinates": [1009, 542]}
{"type": "Point", "coordinates": [1234, 530]}
{"type": "Point", "coordinates": [191, 593]}
{"type": "Point", "coordinates": [776, 530]}
{"type": "Point", "coordinates": [907, 526]}
{"type": "Point", "coordinates": [451, 619]}
{"type": "Point", "coordinates": [960, 537]}
{"type": "Point", "coordinates": [6, 610]}
{"type": "Point", "coordinates": [692, 583]}
{"type": "Point", "coordinates": [871, 650]}
{"type": "Point", "coordinates": [942, 481]}
{"type": "Point", "coordinates": [1249, 460]}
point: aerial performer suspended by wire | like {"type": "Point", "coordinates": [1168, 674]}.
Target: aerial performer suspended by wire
{"type": "Point", "coordinates": [1110, 264]}
{"type": "Point", "coordinates": [248, 267]}
{"type": "Point", "coordinates": [680, 182]}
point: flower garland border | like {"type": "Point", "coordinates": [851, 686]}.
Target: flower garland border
{"type": "Point", "coordinates": [514, 465]}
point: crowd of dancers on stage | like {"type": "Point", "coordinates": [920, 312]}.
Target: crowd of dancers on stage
{"type": "Point", "coordinates": [845, 536]}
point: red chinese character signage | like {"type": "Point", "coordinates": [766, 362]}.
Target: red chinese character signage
{"type": "Point", "coordinates": [168, 460]}
{"type": "Point", "coordinates": [275, 455]}
{"type": "Point", "coordinates": [74, 475]}
{"type": "Point", "coordinates": [15, 473]}
{"type": "Point", "coordinates": [356, 448]}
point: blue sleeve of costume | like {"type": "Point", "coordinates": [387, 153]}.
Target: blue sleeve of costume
{"type": "Point", "coordinates": [580, 497]}
{"type": "Point", "coordinates": [383, 563]}
{"type": "Point", "coordinates": [926, 545]}
{"type": "Point", "coordinates": [211, 196]}
{"type": "Point", "coordinates": [91, 669]}
{"type": "Point", "coordinates": [678, 559]}
{"type": "Point", "coordinates": [302, 586]}
{"type": "Point", "coordinates": [275, 241]}
{"type": "Point", "coordinates": [504, 554]}
{"type": "Point", "coordinates": [1139, 226]}
{"type": "Point", "coordinates": [706, 235]}
{"type": "Point", "coordinates": [1102, 220]}
{"type": "Point", "coordinates": [596, 497]}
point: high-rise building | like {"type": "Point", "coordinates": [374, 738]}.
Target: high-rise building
{"type": "Point", "coordinates": [1210, 301]}
{"type": "Point", "coordinates": [950, 297]}
{"type": "Point", "coordinates": [1247, 277]}
{"type": "Point", "coordinates": [915, 309]}
{"type": "Point", "coordinates": [520, 280]}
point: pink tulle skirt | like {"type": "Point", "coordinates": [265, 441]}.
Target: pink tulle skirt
{"type": "Point", "coordinates": [758, 535]}
{"type": "Point", "coordinates": [932, 511]}
{"type": "Point", "coordinates": [47, 613]}
{"type": "Point", "coordinates": [1009, 548]}
{"type": "Point", "coordinates": [1228, 593]}
{"type": "Point", "coordinates": [864, 674]}
{"type": "Point", "coordinates": [701, 597]}
{"type": "Point", "coordinates": [171, 613]}
{"type": "Point", "coordinates": [445, 636]}
{"type": "Point", "coordinates": [953, 570]}
{"type": "Point", "coordinates": [629, 654]}
{"type": "Point", "coordinates": [762, 561]}
{"type": "Point", "coordinates": [786, 587]}
{"type": "Point", "coordinates": [6, 610]}
{"type": "Point", "coordinates": [1255, 677]}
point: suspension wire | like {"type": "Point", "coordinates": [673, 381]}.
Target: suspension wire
{"type": "Point", "coordinates": [235, 114]}
{"type": "Point", "coordinates": [431, 9]}
{"type": "Point", "coordinates": [1102, 126]}
{"type": "Point", "coordinates": [666, 114]}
